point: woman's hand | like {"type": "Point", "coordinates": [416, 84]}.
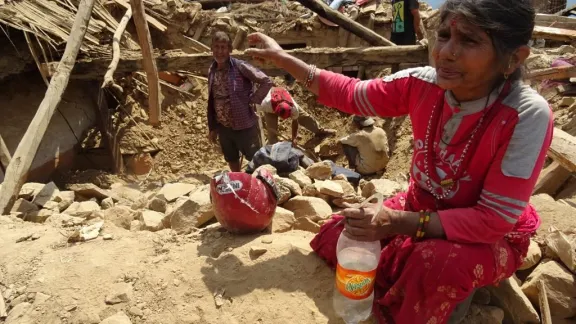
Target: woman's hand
{"type": "Point", "coordinates": [267, 48]}
{"type": "Point", "coordinates": [359, 225]}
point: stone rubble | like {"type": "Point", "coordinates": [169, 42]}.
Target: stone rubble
{"type": "Point", "coordinates": [307, 200]}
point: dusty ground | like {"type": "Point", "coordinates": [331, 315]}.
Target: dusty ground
{"type": "Point", "coordinates": [172, 279]}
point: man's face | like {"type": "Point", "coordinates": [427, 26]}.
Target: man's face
{"type": "Point", "coordinates": [221, 51]}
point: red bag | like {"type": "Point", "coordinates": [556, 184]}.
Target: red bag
{"type": "Point", "coordinates": [282, 102]}
{"type": "Point", "coordinates": [242, 203]}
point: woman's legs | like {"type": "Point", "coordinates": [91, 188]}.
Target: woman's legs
{"type": "Point", "coordinates": [423, 282]}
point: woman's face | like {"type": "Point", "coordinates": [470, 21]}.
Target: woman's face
{"type": "Point", "coordinates": [465, 59]}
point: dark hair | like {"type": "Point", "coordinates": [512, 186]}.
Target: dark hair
{"type": "Point", "coordinates": [509, 23]}
{"type": "Point", "coordinates": [221, 36]}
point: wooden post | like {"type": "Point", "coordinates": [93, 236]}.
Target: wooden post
{"type": "Point", "coordinates": [362, 68]}
{"type": "Point", "coordinates": [430, 25]}
{"type": "Point", "coordinates": [151, 20]}
{"type": "Point", "coordinates": [19, 166]}
{"type": "Point", "coordinates": [324, 11]}
{"type": "Point", "coordinates": [103, 119]}
{"type": "Point", "coordinates": [239, 38]}
{"type": "Point", "coordinates": [563, 149]}
{"type": "Point", "coordinates": [4, 155]}
{"type": "Point", "coordinates": [551, 179]}
{"type": "Point", "coordinates": [545, 314]}
{"type": "Point", "coordinates": [148, 61]}
{"type": "Point", "coordinates": [200, 30]}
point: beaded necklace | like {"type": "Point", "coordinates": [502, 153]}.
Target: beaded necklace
{"type": "Point", "coordinates": [447, 185]}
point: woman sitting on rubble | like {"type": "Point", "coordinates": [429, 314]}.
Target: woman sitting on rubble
{"type": "Point", "coordinates": [480, 141]}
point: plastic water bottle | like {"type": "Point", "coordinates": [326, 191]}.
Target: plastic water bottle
{"type": "Point", "coordinates": [355, 278]}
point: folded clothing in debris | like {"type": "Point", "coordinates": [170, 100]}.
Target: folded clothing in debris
{"type": "Point", "coordinates": [281, 155]}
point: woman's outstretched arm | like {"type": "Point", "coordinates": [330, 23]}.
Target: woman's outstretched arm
{"type": "Point", "coordinates": [378, 97]}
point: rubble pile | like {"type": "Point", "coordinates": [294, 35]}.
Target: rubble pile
{"type": "Point", "coordinates": [308, 197]}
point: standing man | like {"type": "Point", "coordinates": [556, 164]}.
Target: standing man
{"type": "Point", "coordinates": [367, 149]}
{"type": "Point", "coordinates": [231, 96]}
{"type": "Point", "coordinates": [406, 22]}
{"type": "Point", "coordinates": [279, 103]}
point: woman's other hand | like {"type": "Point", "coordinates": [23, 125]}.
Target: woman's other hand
{"type": "Point", "coordinates": [266, 48]}
{"type": "Point", "coordinates": [359, 225]}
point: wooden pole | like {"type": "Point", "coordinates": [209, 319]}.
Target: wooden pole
{"type": "Point", "coordinates": [563, 149]}
{"type": "Point", "coordinates": [239, 37]}
{"type": "Point", "coordinates": [148, 61]}
{"type": "Point", "coordinates": [559, 34]}
{"type": "Point", "coordinates": [109, 76]}
{"type": "Point", "coordinates": [553, 73]}
{"type": "Point", "coordinates": [19, 166]}
{"type": "Point", "coordinates": [151, 20]}
{"type": "Point", "coordinates": [545, 313]}
{"type": "Point", "coordinates": [324, 11]}
{"type": "Point", "coordinates": [370, 25]}
{"type": "Point", "coordinates": [430, 25]}
{"type": "Point", "coordinates": [4, 155]}
{"type": "Point", "coordinates": [322, 57]}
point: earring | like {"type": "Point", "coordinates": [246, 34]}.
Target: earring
{"type": "Point", "coordinates": [506, 75]}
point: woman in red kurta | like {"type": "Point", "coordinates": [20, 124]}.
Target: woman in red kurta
{"type": "Point", "coordinates": [480, 141]}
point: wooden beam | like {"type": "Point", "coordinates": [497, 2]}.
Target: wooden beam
{"type": "Point", "coordinates": [370, 25]}
{"type": "Point", "coordinates": [22, 160]}
{"type": "Point", "coordinates": [200, 30]}
{"type": "Point", "coordinates": [563, 149]}
{"type": "Point", "coordinates": [322, 57]}
{"type": "Point", "coordinates": [151, 20]}
{"type": "Point", "coordinates": [104, 121]}
{"type": "Point", "coordinates": [5, 156]}
{"type": "Point", "coordinates": [551, 179]}
{"type": "Point", "coordinates": [3, 312]}
{"type": "Point", "coordinates": [430, 25]}
{"type": "Point", "coordinates": [553, 73]}
{"type": "Point", "coordinates": [556, 21]}
{"type": "Point", "coordinates": [552, 33]}
{"type": "Point", "coordinates": [324, 11]}
{"type": "Point", "coordinates": [148, 61]}
{"type": "Point", "coordinates": [239, 37]}
{"type": "Point", "coordinates": [543, 304]}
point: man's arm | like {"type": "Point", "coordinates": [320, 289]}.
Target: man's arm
{"type": "Point", "coordinates": [258, 77]}
{"type": "Point", "coordinates": [352, 140]}
{"type": "Point", "coordinates": [415, 10]}
{"type": "Point", "coordinates": [294, 130]}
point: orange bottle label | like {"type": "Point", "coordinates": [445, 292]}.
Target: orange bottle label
{"type": "Point", "coordinates": [354, 284]}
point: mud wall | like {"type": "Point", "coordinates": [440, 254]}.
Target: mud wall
{"type": "Point", "coordinates": [19, 99]}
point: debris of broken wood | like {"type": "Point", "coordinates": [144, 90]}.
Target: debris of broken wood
{"type": "Point", "coordinates": [321, 57]}
{"type": "Point", "coordinates": [552, 33]}
{"type": "Point", "coordinates": [151, 20]}
{"type": "Point", "coordinates": [22, 160]}
{"type": "Point", "coordinates": [555, 21]}
{"type": "Point", "coordinates": [324, 11]}
{"type": "Point", "coordinates": [553, 73]}
{"type": "Point", "coordinates": [551, 179]}
{"type": "Point", "coordinates": [563, 149]}
{"type": "Point", "coordinates": [545, 313]}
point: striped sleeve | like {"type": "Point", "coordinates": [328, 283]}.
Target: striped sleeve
{"type": "Point", "coordinates": [505, 194]}
{"type": "Point", "coordinates": [377, 97]}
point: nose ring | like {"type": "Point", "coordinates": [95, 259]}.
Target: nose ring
{"type": "Point", "coordinates": [454, 54]}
